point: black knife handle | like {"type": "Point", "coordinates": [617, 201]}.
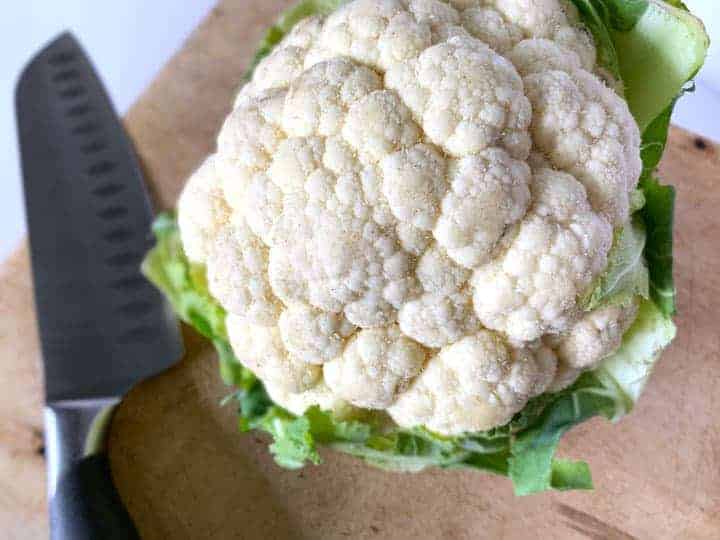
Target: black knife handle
{"type": "Point", "coordinates": [84, 503]}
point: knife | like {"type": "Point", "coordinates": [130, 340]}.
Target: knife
{"type": "Point", "coordinates": [102, 326]}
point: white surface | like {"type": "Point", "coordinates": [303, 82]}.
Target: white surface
{"type": "Point", "coordinates": [130, 40]}
{"type": "Point", "coordinates": [700, 112]}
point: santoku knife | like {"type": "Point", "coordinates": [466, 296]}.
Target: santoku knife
{"type": "Point", "coordinates": [102, 326]}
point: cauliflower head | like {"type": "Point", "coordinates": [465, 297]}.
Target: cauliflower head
{"type": "Point", "coordinates": [407, 204]}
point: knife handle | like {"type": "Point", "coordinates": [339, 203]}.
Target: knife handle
{"type": "Point", "coordinates": [84, 503]}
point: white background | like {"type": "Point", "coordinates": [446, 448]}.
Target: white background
{"type": "Point", "coordinates": [130, 40]}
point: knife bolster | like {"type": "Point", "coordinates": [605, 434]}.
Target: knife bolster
{"type": "Point", "coordinates": [74, 429]}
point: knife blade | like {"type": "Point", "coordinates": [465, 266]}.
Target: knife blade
{"type": "Point", "coordinates": [102, 326]}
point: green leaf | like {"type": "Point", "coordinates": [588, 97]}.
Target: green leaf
{"type": "Point", "coordinates": [610, 391]}
{"type": "Point", "coordinates": [293, 444]}
{"type": "Point", "coordinates": [677, 4]}
{"type": "Point", "coordinates": [626, 275]}
{"type": "Point", "coordinates": [404, 450]}
{"type": "Point", "coordinates": [596, 17]}
{"type": "Point", "coordinates": [637, 200]}
{"type": "Point", "coordinates": [654, 47]}
{"type": "Point", "coordinates": [623, 15]}
{"type": "Point", "coordinates": [531, 464]}
{"type": "Point", "coordinates": [568, 475]}
{"type": "Point", "coordinates": [665, 48]}
{"type": "Point", "coordinates": [182, 283]}
{"type": "Point", "coordinates": [630, 367]}
{"type": "Point", "coordinates": [485, 443]}
{"type": "Point", "coordinates": [654, 139]}
{"type": "Point", "coordinates": [327, 429]}
{"type": "Point", "coordinates": [495, 463]}
{"type": "Point", "coordinates": [658, 214]}
{"type": "Point", "coordinates": [252, 399]}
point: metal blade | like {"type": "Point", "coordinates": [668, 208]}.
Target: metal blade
{"type": "Point", "coordinates": [103, 327]}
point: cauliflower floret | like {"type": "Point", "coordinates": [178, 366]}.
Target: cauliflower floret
{"type": "Point", "coordinates": [279, 68]}
{"type": "Point", "coordinates": [404, 38]}
{"type": "Point", "coordinates": [444, 313]}
{"type": "Point", "coordinates": [298, 402]}
{"type": "Point", "coordinates": [596, 336]}
{"type": "Point", "coordinates": [285, 63]}
{"type": "Point", "coordinates": [438, 274]}
{"type": "Point", "coordinates": [565, 376]}
{"type": "Point", "coordinates": [575, 37]}
{"type": "Point", "coordinates": [433, 12]}
{"type": "Point", "coordinates": [406, 203]}
{"type": "Point", "coordinates": [559, 248]}
{"type": "Point", "coordinates": [346, 261]}
{"type": "Point", "coordinates": [262, 204]}
{"type": "Point", "coordinates": [303, 35]}
{"type": "Point", "coordinates": [590, 341]}
{"type": "Point", "coordinates": [466, 97]}
{"type": "Point", "coordinates": [547, 364]}
{"type": "Point", "coordinates": [261, 349]}
{"type": "Point", "coordinates": [202, 211]}
{"type": "Point", "coordinates": [437, 320]}
{"type": "Point", "coordinates": [375, 367]}
{"type": "Point", "coordinates": [586, 129]}
{"type": "Point", "coordinates": [296, 158]}
{"type": "Point", "coordinates": [472, 385]}
{"type": "Point", "coordinates": [237, 275]}
{"type": "Point", "coordinates": [414, 184]}
{"type": "Point", "coordinates": [251, 134]}
{"type": "Point", "coordinates": [378, 125]}
{"type": "Point", "coordinates": [318, 101]}
{"type": "Point", "coordinates": [313, 336]}
{"type": "Point", "coordinates": [412, 239]}
{"type": "Point", "coordinates": [540, 18]}
{"type": "Point", "coordinates": [552, 19]}
{"type": "Point", "coordinates": [489, 26]}
{"type": "Point", "coordinates": [538, 55]}
{"type": "Point", "coordinates": [489, 192]}
{"type": "Point", "coordinates": [350, 259]}
{"type": "Point", "coordinates": [354, 30]}
{"type": "Point", "coordinates": [504, 23]}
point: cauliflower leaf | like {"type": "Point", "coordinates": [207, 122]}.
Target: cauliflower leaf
{"type": "Point", "coordinates": [531, 466]}
{"type": "Point", "coordinates": [627, 274]}
{"type": "Point", "coordinates": [610, 391]}
{"type": "Point", "coordinates": [658, 214]}
{"type": "Point", "coordinates": [182, 283]}
{"type": "Point", "coordinates": [653, 46]}
{"type": "Point", "coordinates": [630, 366]}
{"type": "Point", "coordinates": [665, 49]}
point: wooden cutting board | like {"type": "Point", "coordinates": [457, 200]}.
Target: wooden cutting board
{"type": "Point", "coordinates": [186, 473]}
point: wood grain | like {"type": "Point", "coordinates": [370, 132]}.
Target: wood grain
{"type": "Point", "coordinates": [186, 473]}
